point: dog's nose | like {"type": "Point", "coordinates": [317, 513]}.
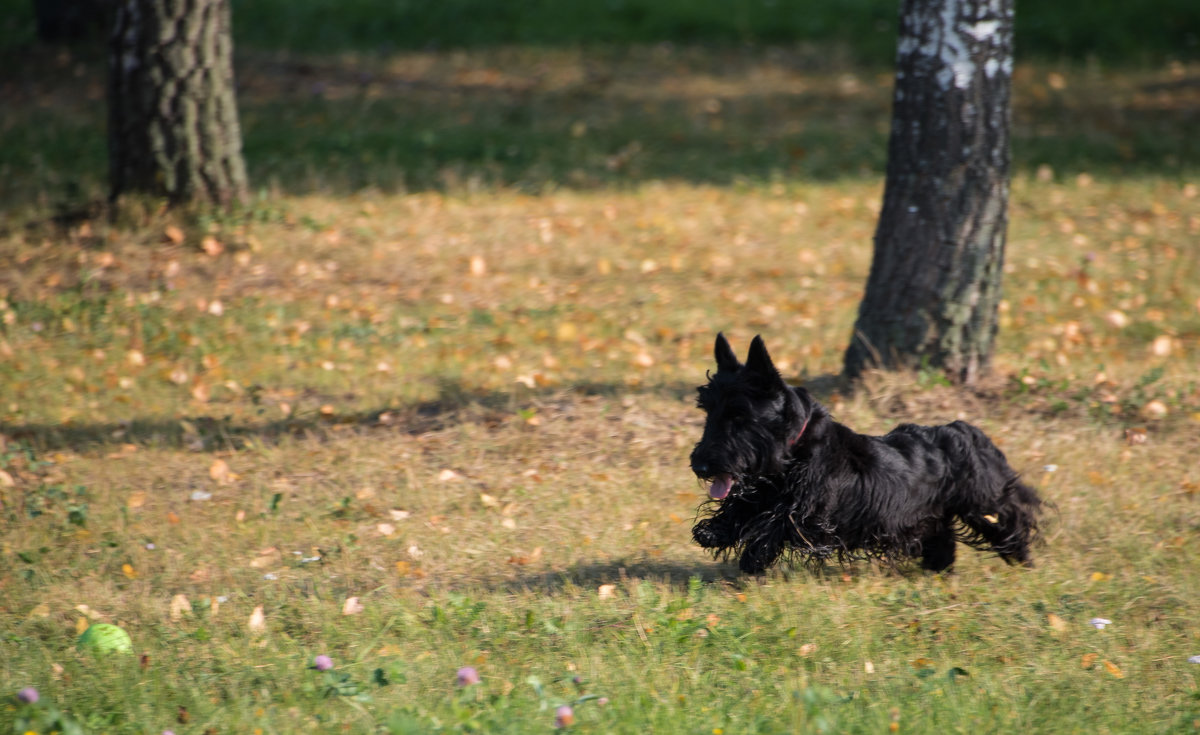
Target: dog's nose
{"type": "Point", "coordinates": [700, 469]}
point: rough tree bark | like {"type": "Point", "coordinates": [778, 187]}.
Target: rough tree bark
{"type": "Point", "coordinates": [173, 122]}
{"type": "Point", "coordinates": [934, 285]}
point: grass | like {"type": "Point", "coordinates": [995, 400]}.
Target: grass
{"type": "Point", "coordinates": [455, 391]}
{"type": "Point", "coordinates": [1070, 29]}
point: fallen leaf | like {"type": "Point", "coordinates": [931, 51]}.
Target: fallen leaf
{"type": "Point", "coordinates": [607, 591]}
{"type": "Point", "coordinates": [399, 515]}
{"type": "Point", "coordinates": [1155, 409]}
{"type": "Point", "coordinates": [489, 500]}
{"type": "Point", "coordinates": [41, 610]}
{"type": "Point", "coordinates": [173, 234]}
{"type": "Point", "coordinates": [448, 476]}
{"type": "Point", "coordinates": [1113, 669]}
{"type": "Point", "coordinates": [1057, 623]}
{"type": "Point", "coordinates": [478, 265]}
{"type": "Point", "coordinates": [136, 500]}
{"type": "Point", "coordinates": [1088, 660]}
{"type": "Point", "coordinates": [1100, 577]}
{"type": "Point", "coordinates": [808, 649]}
{"type": "Point", "coordinates": [385, 529]}
{"type": "Point", "coordinates": [266, 558]}
{"type": "Point", "coordinates": [180, 607]}
{"type": "Point", "coordinates": [868, 667]}
{"type": "Point", "coordinates": [128, 571]}
{"type": "Point", "coordinates": [352, 606]}
{"type": "Point", "coordinates": [258, 621]}
{"type": "Point", "coordinates": [211, 246]}
{"type": "Point", "coordinates": [219, 471]}
{"type": "Point", "coordinates": [6, 480]}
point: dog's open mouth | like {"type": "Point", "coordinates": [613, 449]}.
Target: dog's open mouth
{"type": "Point", "coordinates": [720, 486]}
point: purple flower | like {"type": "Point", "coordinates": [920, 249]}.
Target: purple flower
{"type": "Point", "coordinates": [168, 732]}
{"type": "Point", "coordinates": [564, 716]}
{"type": "Point", "coordinates": [322, 663]}
{"type": "Point", "coordinates": [467, 676]}
{"type": "Point", "coordinates": [28, 695]}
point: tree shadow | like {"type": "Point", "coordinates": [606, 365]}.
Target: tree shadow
{"type": "Point", "coordinates": [455, 404]}
{"type": "Point", "coordinates": [580, 119]}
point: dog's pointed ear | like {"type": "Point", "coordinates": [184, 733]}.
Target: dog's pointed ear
{"type": "Point", "coordinates": [727, 362]}
{"type": "Point", "coordinates": [759, 361]}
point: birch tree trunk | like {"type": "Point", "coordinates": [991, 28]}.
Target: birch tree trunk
{"type": "Point", "coordinates": [173, 122]}
{"type": "Point", "coordinates": [934, 287]}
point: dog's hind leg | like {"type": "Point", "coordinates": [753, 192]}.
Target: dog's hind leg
{"type": "Point", "coordinates": [1009, 529]}
{"type": "Point", "coordinates": [937, 549]}
{"type": "Point", "coordinates": [755, 559]}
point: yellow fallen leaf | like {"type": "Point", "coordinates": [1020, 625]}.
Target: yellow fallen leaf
{"type": "Point", "coordinates": [128, 571]}
{"type": "Point", "coordinates": [180, 607]}
{"type": "Point", "coordinates": [1057, 623]}
{"type": "Point", "coordinates": [258, 621]}
{"type": "Point", "coordinates": [136, 500]}
{"type": "Point", "coordinates": [1113, 669]}
{"type": "Point", "coordinates": [1088, 660]}
{"type": "Point", "coordinates": [219, 471]}
{"type": "Point", "coordinates": [1100, 577]}
{"type": "Point", "coordinates": [489, 500]}
{"type": "Point", "coordinates": [808, 649]}
{"type": "Point", "coordinates": [266, 558]}
{"type": "Point", "coordinates": [478, 265]}
{"type": "Point", "coordinates": [81, 624]}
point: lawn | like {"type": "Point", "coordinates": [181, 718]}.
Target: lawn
{"type": "Point", "coordinates": [427, 404]}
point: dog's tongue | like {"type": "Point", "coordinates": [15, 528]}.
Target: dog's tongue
{"type": "Point", "coordinates": [720, 487]}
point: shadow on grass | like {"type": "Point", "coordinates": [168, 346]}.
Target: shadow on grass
{"type": "Point", "coordinates": [535, 120]}
{"type": "Point", "coordinates": [591, 575]}
{"type": "Point", "coordinates": [455, 405]}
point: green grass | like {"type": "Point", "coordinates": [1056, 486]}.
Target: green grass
{"type": "Point", "coordinates": [445, 365]}
{"type": "Point", "coordinates": [1113, 32]}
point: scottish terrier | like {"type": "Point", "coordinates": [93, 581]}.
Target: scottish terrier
{"type": "Point", "coordinates": [787, 478]}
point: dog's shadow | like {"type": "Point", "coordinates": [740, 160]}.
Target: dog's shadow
{"type": "Point", "coordinates": [674, 573]}
{"type": "Point", "coordinates": [593, 575]}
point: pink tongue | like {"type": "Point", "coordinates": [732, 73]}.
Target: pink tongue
{"type": "Point", "coordinates": [720, 487]}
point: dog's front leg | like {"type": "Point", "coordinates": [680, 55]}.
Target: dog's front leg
{"type": "Point", "coordinates": [718, 531]}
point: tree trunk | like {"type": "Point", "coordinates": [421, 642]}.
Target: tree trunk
{"type": "Point", "coordinates": [934, 286]}
{"type": "Point", "coordinates": [173, 122]}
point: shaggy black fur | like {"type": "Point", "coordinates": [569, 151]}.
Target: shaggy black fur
{"type": "Point", "coordinates": [788, 478]}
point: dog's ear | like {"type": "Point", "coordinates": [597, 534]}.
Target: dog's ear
{"type": "Point", "coordinates": [758, 360]}
{"type": "Point", "coordinates": [727, 362]}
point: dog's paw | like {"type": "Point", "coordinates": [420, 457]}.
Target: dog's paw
{"type": "Point", "coordinates": [709, 537]}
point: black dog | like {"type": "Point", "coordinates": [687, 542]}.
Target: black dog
{"type": "Point", "coordinates": [787, 477]}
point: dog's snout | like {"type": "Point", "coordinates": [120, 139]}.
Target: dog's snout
{"type": "Point", "coordinates": [700, 468]}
